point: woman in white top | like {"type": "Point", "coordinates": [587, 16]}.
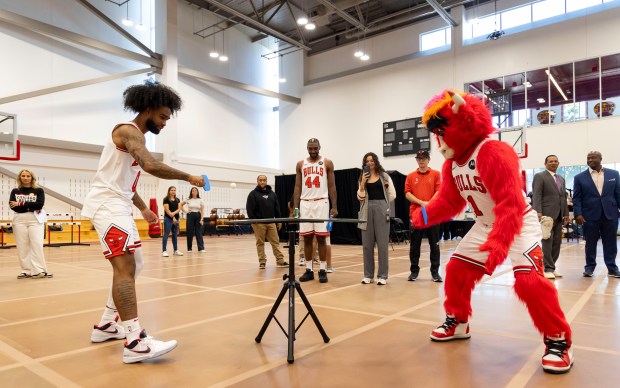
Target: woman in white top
{"type": "Point", "coordinates": [195, 214]}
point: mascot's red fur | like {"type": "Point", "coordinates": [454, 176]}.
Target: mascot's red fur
{"type": "Point", "coordinates": [486, 174]}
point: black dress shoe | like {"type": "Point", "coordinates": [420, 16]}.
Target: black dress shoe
{"type": "Point", "coordinates": [614, 274]}
{"type": "Point", "coordinates": [437, 278]}
{"type": "Point", "coordinates": [587, 274]}
{"type": "Point", "coordinates": [412, 277]}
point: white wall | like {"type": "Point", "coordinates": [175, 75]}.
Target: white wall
{"type": "Point", "coordinates": [229, 134]}
{"type": "Point", "coordinates": [347, 113]}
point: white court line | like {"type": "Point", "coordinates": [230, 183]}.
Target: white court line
{"type": "Point", "coordinates": [321, 346]}
{"type": "Point", "coordinates": [35, 367]}
{"type": "Point", "coordinates": [333, 341]}
{"type": "Point", "coordinates": [532, 365]}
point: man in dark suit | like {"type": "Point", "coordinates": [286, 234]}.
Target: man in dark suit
{"type": "Point", "coordinates": [596, 197]}
{"type": "Point", "coordinates": [549, 198]}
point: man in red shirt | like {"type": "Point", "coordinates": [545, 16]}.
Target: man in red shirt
{"type": "Point", "coordinates": [420, 187]}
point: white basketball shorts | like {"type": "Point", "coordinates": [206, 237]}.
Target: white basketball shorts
{"type": "Point", "coordinates": [318, 209]}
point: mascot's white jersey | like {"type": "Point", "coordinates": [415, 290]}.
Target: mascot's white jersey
{"type": "Point", "coordinates": [116, 179]}
{"type": "Point", "coordinates": [314, 179]}
{"type": "Point", "coordinates": [467, 180]}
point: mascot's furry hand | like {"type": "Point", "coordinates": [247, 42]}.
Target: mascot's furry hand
{"type": "Point", "coordinates": [498, 252]}
{"type": "Point", "coordinates": [418, 220]}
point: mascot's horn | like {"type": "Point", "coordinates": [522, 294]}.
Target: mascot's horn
{"type": "Point", "coordinates": [458, 101]}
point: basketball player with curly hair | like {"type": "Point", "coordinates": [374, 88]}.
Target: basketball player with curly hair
{"type": "Point", "coordinates": [109, 206]}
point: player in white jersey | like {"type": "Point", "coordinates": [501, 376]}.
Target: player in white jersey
{"type": "Point", "coordinates": [315, 188]}
{"type": "Point", "coordinates": [109, 206]}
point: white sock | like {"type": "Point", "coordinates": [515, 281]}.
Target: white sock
{"type": "Point", "coordinates": [323, 265]}
{"type": "Point", "coordinates": [132, 329]}
{"type": "Point", "coordinates": [109, 313]}
{"type": "Point", "coordinates": [309, 264]}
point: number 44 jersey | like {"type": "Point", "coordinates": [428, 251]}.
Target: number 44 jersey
{"type": "Point", "coordinates": [467, 180]}
{"type": "Point", "coordinates": [314, 179]}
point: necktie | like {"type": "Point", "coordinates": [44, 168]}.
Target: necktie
{"type": "Point", "coordinates": [558, 183]}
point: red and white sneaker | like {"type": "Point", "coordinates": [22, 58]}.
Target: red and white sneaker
{"type": "Point", "coordinates": [146, 347]}
{"type": "Point", "coordinates": [109, 331]}
{"type": "Point", "coordinates": [558, 356]}
{"type": "Point", "coordinates": [450, 330]}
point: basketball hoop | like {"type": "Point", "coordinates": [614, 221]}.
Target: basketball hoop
{"type": "Point", "coordinates": [10, 147]}
{"type": "Point", "coordinates": [17, 152]}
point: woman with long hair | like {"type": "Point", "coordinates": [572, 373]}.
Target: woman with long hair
{"type": "Point", "coordinates": [26, 201]}
{"type": "Point", "coordinates": [195, 214]}
{"type": "Point", "coordinates": [375, 193]}
{"type": "Point", "coordinates": [172, 208]}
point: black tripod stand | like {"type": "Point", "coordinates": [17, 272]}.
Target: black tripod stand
{"type": "Point", "coordinates": [290, 285]}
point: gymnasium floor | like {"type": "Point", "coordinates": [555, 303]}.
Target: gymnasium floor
{"type": "Point", "coordinates": [215, 303]}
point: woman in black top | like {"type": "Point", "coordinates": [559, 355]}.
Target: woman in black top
{"type": "Point", "coordinates": [376, 192]}
{"type": "Point", "coordinates": [27, 200]}
{"type": "Point", "coordinates": [172, 208]}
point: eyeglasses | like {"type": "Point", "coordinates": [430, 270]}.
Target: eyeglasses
{"type": "Point", "coordinates": [438, 131]}
{"type": "Point", "coordinates": [436, 125]}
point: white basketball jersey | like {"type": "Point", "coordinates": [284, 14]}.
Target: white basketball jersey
{"type": "Point", "coordinates": [116, 178]}
{"type": "Point", "coordinates": [472, 188]}
{"type": "Point", "coordinates": [314, 179]}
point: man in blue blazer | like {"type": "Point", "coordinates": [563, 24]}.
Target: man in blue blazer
{"type": "Point", "coordinates": [596, 197]}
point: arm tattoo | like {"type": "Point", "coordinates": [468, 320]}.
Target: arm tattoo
{"type": "Point", "coordinates": [138, 202]}
{"type": "Point", "coordinates": [135, 144]}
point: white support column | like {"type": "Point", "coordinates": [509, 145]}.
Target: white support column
{"type": "Point", "coordinates": [167, 44]}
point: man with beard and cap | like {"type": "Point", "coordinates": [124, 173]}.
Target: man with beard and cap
{"type": "Point", "coordinates": [596, 198]}
{"type": "Point", "coordinates": [263, 203]}
{"type": "Point", "coordinates": [315, 188]}
{"type": "Point", "coordinates": [109, 206]}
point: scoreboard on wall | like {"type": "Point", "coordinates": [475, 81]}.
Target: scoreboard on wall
{"type": "Point", "coordinates": [405, 137]}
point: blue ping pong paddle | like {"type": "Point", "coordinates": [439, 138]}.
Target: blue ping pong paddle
{"type": "Point", "coordinates": [207, 185]}
{"type": "Point", "coordinates": [424, 215]}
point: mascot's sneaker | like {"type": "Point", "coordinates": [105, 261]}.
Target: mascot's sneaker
{"type": "Point", "coordinates": [450, 330]}
{"type": "Point", "coordinates": [146, 347]}
{"type": "Point", "coordinates": [558, 356]}
{"type": "Point", "coordinates": [109, 331]}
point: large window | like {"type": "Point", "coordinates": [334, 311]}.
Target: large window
{"type": "Point", "coordinates": [570, 92]}
{"type": "Point", "coordinates": [547, 9]}
{"type": "Point", "coordinates": [435, 39]}
{"type": "Point", "coordinates": [524, 14]}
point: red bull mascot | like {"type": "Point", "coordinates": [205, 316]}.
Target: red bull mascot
{"type": "Point", "coordinates": [485, 174]}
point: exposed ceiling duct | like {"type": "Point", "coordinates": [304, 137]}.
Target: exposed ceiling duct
{"type": "Point", "coordinates": [337, 21]}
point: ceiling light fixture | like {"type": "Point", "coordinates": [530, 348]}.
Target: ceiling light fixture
{"type": "Point", "coordinates": [282, 79]}
{"type": "Point", "coordinates": [214, 53]}
{"type": "Point", "coordinates": [556, 85]}
{"type": "Point", "coordinates": [495, 35]}
{"type": "Point", "coordinates": [302, 20]}
{"type": "Point", "coordinates": [310, 26]}
{"type": "Point", "coordinates": [358, 53]}
{"type": "Point", "coordinates": [127, 22]}
{"type": "Point", "coordinates": [365, 57]}
{"type": "Point", "coordinates": [140, 27]}
{"type": "Point", "coordinates": [223, 57]}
